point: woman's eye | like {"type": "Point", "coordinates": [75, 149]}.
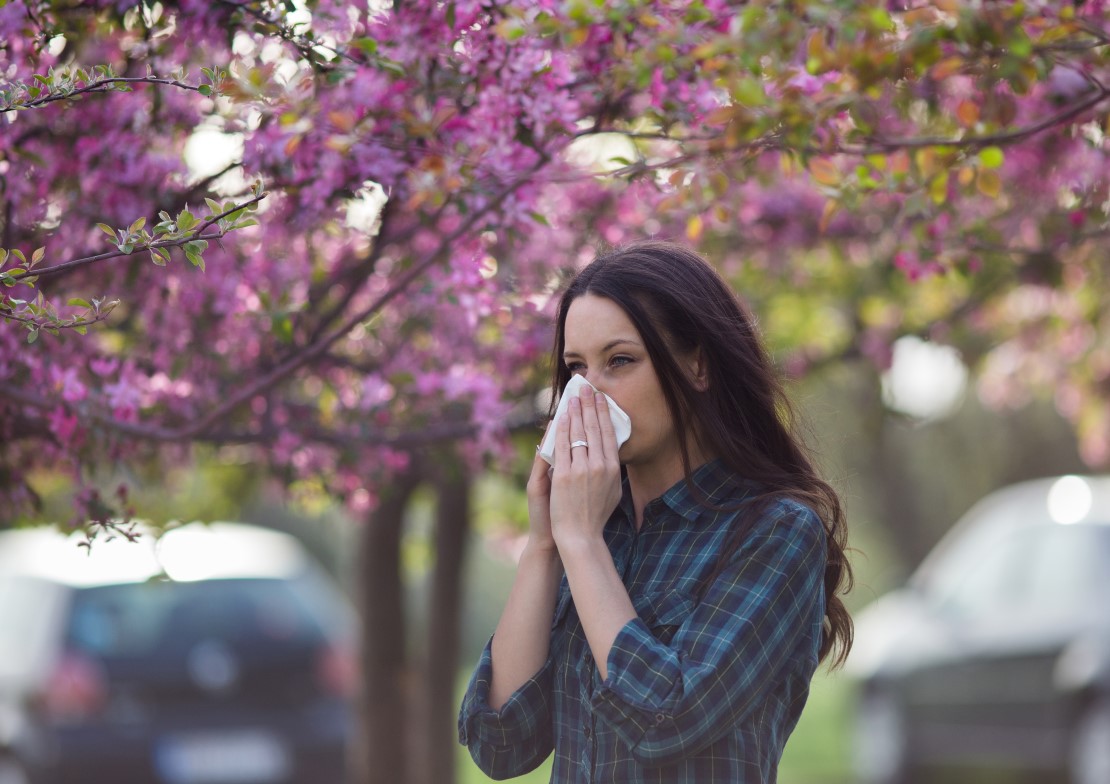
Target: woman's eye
{"type": "Point", "coordinates": [576, 368]}
{"type": "Point", "coordinates": [620, 360]}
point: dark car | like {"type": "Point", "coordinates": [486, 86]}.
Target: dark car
{"type": "Point", "coordinates": [996, 655]}
{"type": "Point", "coordinates": [212, 655]}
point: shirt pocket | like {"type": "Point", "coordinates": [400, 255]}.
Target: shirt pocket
{"type": "Point", "coordinates": [664, 612]}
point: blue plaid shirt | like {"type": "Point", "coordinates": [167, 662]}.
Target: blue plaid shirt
{"type": "Point", "coordinates": [698, 689]}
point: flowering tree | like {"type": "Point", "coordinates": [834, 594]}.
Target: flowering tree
{"type": "Point", "coordinates": [368, 272]}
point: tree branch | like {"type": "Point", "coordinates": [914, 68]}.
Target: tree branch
{"type": "Point", "coordinates": [319, 348]}
{"type": "Point", "coordinates": [204, 424]}
{"type": "Point", "coordinates": [987, 140]}
{"type": "Point", "coordinates": [357, 276]}
{"type": "Point", "coordinates": [305, 46]}
{"type": "Point", "coordinates": [196, 235]}
{"type": "Point", "coordinates": [49, 325]}
{"type": "Point", "coordinates": [524, 416]}
{"type": "Point", "coordinates": [873, 146]}
{"type": "Point", "coordinates": [98, 86]}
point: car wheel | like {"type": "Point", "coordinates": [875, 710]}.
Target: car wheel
{"type": "Point", "coordinates": [881, 749]}
{"type": "Point", "coordinates": [11, 772]}
{"type": "Point", "coordinates": [1089, 760]}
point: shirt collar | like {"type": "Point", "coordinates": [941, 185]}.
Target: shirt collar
{"type": "Point", "coordinates": [711, 484]}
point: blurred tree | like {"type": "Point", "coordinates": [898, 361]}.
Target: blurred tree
{"type": "Point", "coordinates": [861, 170]}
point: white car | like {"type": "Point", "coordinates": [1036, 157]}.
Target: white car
{"type": "Point", "coordinates": [996, 654]}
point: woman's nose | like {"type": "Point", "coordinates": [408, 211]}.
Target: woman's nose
{"type": "Point", "coordinates": [596, 382]}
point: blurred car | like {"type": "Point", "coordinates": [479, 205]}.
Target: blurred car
{"type": "Point", "coordinates": [211, 655]}
{"type": "Point", "coordinates": [996, 655]}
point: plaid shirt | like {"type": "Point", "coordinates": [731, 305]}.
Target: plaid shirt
{"type": "Point", "coordinates": [698, 690]}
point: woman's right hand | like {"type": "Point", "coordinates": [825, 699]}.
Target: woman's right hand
{"type": "Point", "coordinates": [539, 506]}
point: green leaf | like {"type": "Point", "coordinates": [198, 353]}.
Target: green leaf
{"type": "Point", "coordinates": [81, 329]}
{"type": "Point", "coordinates": [1020, 45]}
{"type": "Point", "coordinates": [205, 90]}
{"type": "Point", "coordinates": [244, 223]}
{"type": "Point", "coordinates": [195, 259]}
{"type": "Point", "coordinates": [138, 224]}
{"type": "Point", "coordinates": [196, 246]}
{"type": "Point", "coordinates": [880, 20]}
{"type": "Point", "coordinates": [78, 303]}
{"type": "Point", "coordinates": [394, 68]}
{"type": "Point", "coordinates": [185, 220]}
{"type": "Point", "coordinates": [37, 256]}
{"type": "Point", "coordinates": [991, 157]}
{"type": "Point", "coordinates": [214, 206]}
{"type": "Point", "coordinates": [32, 335]}
{"type": "Point", "coordinates": [282, 326]}
{"type": "Point", "coordinates": [156, 257]}
{"type": "Point", "coordinates": [938, 187]}
{"type": "Point", "coordinates": [19, 255]}
{"type": "Point", "coordinates": [127, 247]}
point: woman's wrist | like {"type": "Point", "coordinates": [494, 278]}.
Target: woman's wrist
{"type": "Point", "coordinates": [571, 543]}
{"type": "Point", "coordinates": [540, 549]}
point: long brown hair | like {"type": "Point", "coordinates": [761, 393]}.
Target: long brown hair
{"type": "Point", "coordinates": [679, 303]}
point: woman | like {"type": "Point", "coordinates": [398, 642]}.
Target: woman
{"type": "Point", "coordinates": [663, 625]}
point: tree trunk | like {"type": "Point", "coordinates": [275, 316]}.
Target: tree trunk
{"type": "Point", "coordinates": [381, 758]}
{"type": "Point", "coordinates": [453, 484]}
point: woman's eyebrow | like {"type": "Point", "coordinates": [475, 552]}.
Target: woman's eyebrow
{"type": "Point", "coordinates": [610, 345]}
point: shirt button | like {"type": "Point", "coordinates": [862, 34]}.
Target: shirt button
{"type": "Point", "coordinates": [660, 718]}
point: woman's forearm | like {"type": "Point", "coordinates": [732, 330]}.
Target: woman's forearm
{"type": "Point", "coordinates": [599, 593]}
{"type": "Point", "coordinates": [520, 643]}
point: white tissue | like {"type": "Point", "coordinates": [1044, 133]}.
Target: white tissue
{"type": "Point", "coordinates": [622, 425]}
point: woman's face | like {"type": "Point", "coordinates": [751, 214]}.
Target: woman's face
{"type": "Point", "coordinates": [601, 344]}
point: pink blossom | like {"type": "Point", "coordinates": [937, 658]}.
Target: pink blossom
{"type": "Point", "coordinates": [66, 427]}
{"type": "Point", "coordinates": [914, 268]}
{"type": "Point", "coordinates": [66, 382]}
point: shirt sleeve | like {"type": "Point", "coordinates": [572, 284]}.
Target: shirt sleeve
{"type": "Point", "coordinates": [516, 739]}
{"type": "Point", "coordinates": [668, 701]}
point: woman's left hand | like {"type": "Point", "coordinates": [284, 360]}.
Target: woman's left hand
{"type": "Point", "coordinates": [586, 483]}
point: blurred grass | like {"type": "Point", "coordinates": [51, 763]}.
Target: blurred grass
{"type": "Point", "coordinates": [818, 752]}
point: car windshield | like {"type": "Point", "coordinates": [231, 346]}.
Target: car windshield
{"type": "Point", "coordinates": [143, 619]}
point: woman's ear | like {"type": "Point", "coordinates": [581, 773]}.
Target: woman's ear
{"type": "Point", "coordinates": [698, 369]}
